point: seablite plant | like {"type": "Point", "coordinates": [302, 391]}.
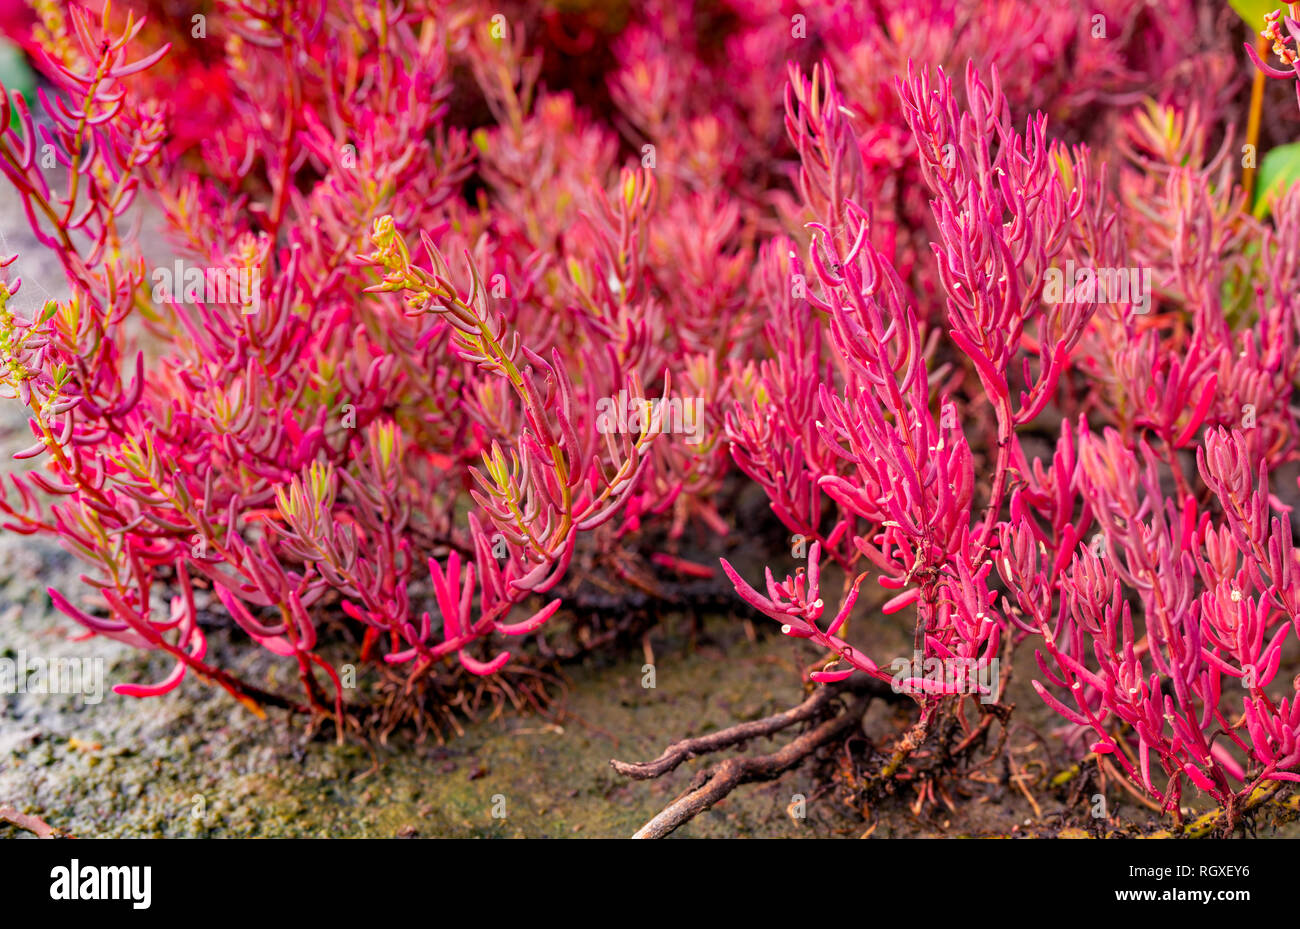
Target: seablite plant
{"type": "Point", "coordinates": [1158, 607]}
{"type": "Point", "coordinates": [355, 423]}
{"type": "Point", "coordinates": [454, 309]}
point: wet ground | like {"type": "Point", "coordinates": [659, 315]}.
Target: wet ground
{"type": "Point", "coordinates": [194, 763]}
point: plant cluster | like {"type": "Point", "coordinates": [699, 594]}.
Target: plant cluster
{"type": "Point", "coordinates": [972, 291]}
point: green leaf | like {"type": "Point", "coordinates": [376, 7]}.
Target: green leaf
{"type": "Point", "coordinates": [1277, 172]}
{"type": "Point", "coordinates": [1254, 11]}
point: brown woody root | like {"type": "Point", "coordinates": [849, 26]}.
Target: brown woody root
{"type": "Point", "coordinates": [712, 784]}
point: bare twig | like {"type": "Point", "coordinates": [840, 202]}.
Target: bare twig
{"type": "Point", "coordinates": [1018, 778]}
{"type": "Point", "coordinates": [686, 749]}
{"type": "Point", "coordinates": [710, 786]}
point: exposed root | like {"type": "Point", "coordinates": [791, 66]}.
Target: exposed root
{"type": "Point", "coordinates": [933, 757]}
{"type": "Point", "coordinates": [435, 703]}
{"type": "Point", "coordinates": [712, 784]}
{"type": "Point", "coordinates": [686, 749]}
